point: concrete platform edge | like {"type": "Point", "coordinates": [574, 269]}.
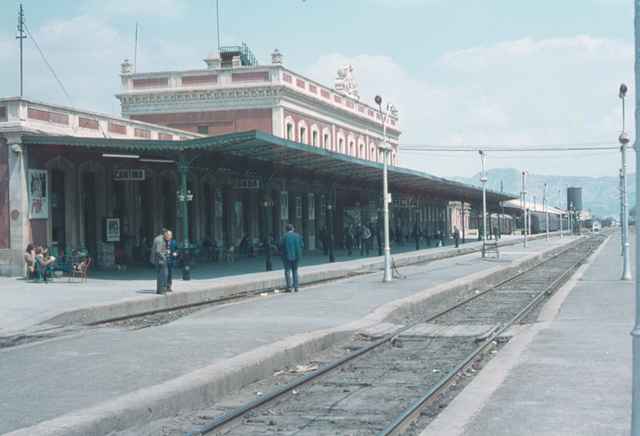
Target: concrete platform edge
{"type": "Point", "coordinates": [453, 420]}
{"type": "Point", "coordinates": [203, 386]}
{"type": "Point", "coordinates": [229, 287]}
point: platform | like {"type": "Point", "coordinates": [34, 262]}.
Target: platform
{"type": "Point", "coordinates": [569, 374]}
{"type": "Point", "coordinates": [110, 370]}
{"type": "Point", "coordinates": [25, 304]}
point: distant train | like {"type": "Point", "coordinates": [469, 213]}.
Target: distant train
{"type": "Point", "coordinates": [501, 223]}
{"type": "Point", "coordinates": [539, 222]}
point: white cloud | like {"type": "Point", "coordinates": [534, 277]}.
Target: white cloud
{"type": "Point", "coordinates": [522, 92]}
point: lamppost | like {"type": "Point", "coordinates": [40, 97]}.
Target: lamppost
{"type": "Point", "coordinates": [416, 226]}
{"type": "Point", "coordinates": [624, 140]}
{"type": "Point", "coordinates": [483, 180]}
{"type": "Point", "coordinates": [561, 214]}
{"type": "Point", "coordinates": [620, 199]}
{"type": "Point", "coordinates": [524, 207]}
{"type": "Point", "coordinates": [267, 204]}
{"type": "Point", "coordinates": [544, 209]}
{"type": "Point", "coordinates": [501, 209]}
{"type": "Point", "coordinates": [385, 187]}
{"type": "Point", "coordinates": [635, 333]}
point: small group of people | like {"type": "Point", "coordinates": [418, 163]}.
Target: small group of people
{"type": "Point", "coordinates": [164, 254]}
{"type": "Point", "coordinates": [359, 236]}
{"type": "Point", "coordinates": [39, 262]}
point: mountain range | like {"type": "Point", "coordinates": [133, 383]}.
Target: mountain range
{"type": "Point", "coordinates": [600, 195]}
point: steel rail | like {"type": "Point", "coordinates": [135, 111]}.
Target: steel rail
{"type": "Point", "coordinates": [412, 412]}
{"type": "Point", "coordinates": [227, 418]}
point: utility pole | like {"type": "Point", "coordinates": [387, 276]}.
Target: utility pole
{"type": "Point", "coordinates": [624, 140]}
{"type": "Point", "coordinates": [21, 36]}
{"type": "Point", "coordinates": [218, 23]}
{"type": "Point", "coordinates": [135, 51]}
{"type": "Point", "coordinates": [635, 333]}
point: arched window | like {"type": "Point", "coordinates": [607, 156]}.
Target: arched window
{"type": "Point", "coordinates": [303, 133]}
{"type": "Point", "coordinates": [289, 129]}
{"type": "Point", "coordinates": [339, 146]}
{"type": "Point", "coordinates": [361, 151]}
{"type": "Point", "coordinates": [326, 138]}
{"type": "Point", "coordinates": [315, 136]}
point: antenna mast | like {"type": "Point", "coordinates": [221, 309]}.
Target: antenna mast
{"type": "Point", "coordinates": [218, 21]}
{"type": "Point", "coordinates": [135, 51]}
{"type": "Point", "coordinates": [21, 36]}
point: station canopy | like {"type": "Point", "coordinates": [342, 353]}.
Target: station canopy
{"type": "Point", "coordinates": [261, 147]}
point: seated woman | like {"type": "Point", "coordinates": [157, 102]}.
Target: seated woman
{"type": "Point", "coordinates": [43, 263]}
{"type": "Point", "coordinates": [29, 260]}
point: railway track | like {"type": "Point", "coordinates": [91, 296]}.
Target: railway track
{"type": "Point", "coordinates": [382, 387]}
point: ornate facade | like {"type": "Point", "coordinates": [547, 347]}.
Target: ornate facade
{"type": "Point", "coordinates": [238, 96]}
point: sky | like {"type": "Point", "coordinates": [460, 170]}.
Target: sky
{"type": "Point", "coordinates": [460, 72]}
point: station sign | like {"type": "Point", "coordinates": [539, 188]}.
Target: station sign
{"type": "Point", "coordinates": [248, 184]}
{"type": "Point", "coordinates": [135, 174]}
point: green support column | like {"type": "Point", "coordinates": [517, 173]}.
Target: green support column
{"type": "Point", "coordinates": [266, 205]}
{"type": "Point", "coordinates": [330, 209]}
{"type": "Point", "coordinates": [183, 173]}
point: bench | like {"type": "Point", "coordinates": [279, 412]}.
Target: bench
{"type": "Point", "coordinates": [491, 247]}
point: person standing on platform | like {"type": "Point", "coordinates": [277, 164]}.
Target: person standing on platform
{"type": "Point", "coordinates": [172, 256]}
{"type": "Point", "coordinates": [324, 240]}
{"type": "Point", "coordinates": [456, 236]}
{"type": "Point", "coordinates": [348, 239]}
{"type": "Point", "coordinates": [159, 259]}
{"type": "Point", "coordinates": [291, 249]}
{"type": "Point", "coordinates": [366, 240]}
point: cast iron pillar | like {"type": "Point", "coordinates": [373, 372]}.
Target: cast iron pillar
{"type": "Point", "coordinates": [183, 198]}
{"type": "Point", "coordinates": [330, 217]}
{"type": "Point", "coordinates": [267, 204]}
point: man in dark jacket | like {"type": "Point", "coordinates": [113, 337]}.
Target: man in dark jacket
{"type": "Point", "coordinates": [456, 236]}
{"type": "Point", "coordinates": [291, 249]}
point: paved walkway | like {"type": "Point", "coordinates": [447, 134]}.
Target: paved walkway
{"type": "Point", "coordinates": [103, 364]}
{"type": "Point", "coordinates": [568, 375]}
{"type": "Point", "coordinates": [25, 303]}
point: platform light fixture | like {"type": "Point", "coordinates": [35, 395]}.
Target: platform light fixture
{"type": "Point", "coordinates": [635, 333]}
{"type": "Point", "coordinates": [385, 186]}
{"type": "Point", "coordinates": [120, 156]}
{"type": "Point", "coordinates": [624, 141]}
{"type": "Point", "coordinates": [152, 160]}
{"type": "Point", "coordinates": [483, 180]}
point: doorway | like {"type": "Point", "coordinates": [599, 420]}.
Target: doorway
{"type": "Point", "coordinates": [58, 210]}
{"type": "Point", "coordinates": [89, 212]}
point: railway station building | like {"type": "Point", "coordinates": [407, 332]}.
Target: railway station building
{"type": "Point", "coordinates": [227, 156]}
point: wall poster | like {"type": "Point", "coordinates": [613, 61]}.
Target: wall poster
{"type": "Point", "coordinates": [38, 190]}
{"type": "Point", "coordinates": [112, 229]}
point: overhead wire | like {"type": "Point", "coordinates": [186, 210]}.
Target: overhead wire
{"type": "Point", "coordinates": [51, 69]}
